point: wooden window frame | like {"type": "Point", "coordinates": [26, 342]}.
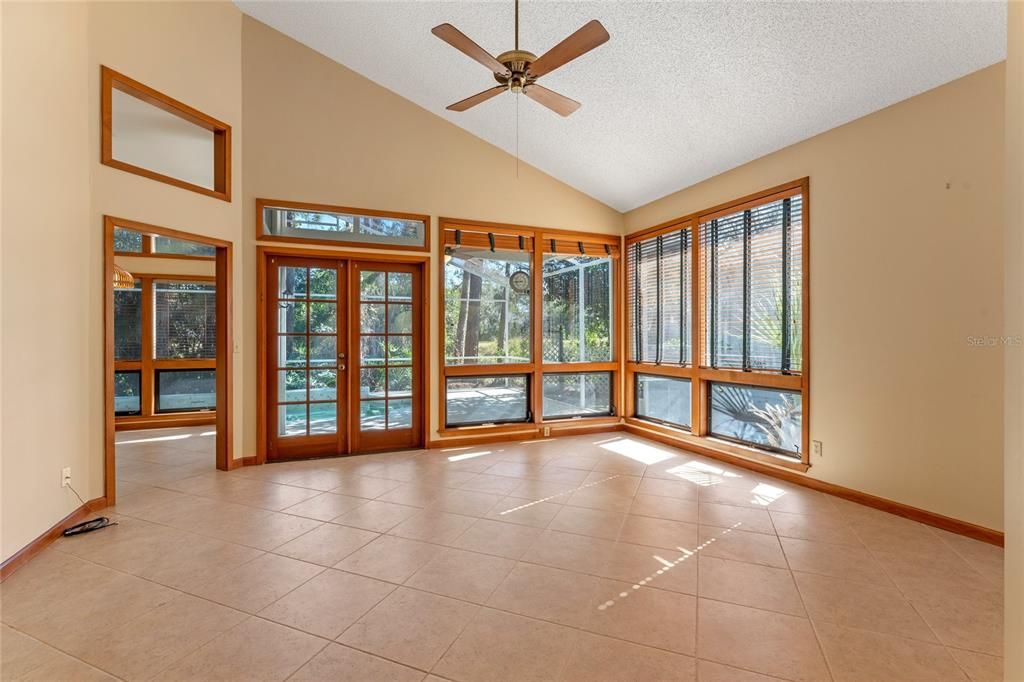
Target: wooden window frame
{"type": "Point", "coordinates": [701, 376]}
{"type": "Point", "coordinates": [149, 365]}
{"type": "Point", "coordinates": [111, 80]}
{"type": "Point", "coordinates": [261, 236]}
{"type": "Point", "coordinates": [148, 252]}
{"type": "Point", "coordinates": [536, 238]}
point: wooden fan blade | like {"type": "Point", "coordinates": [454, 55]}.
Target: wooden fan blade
{"type": "Point", "coordinates": [560, 104]}
{"type": "Point", "coordinates": [461, 42]}
{"type": "Point", "coordinates": [579, 43]}
{"type": "Point", "coordinates": [477, 98]}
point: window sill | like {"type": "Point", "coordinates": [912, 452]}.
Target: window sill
{"type": "Point", "coordinates": [712, 446]}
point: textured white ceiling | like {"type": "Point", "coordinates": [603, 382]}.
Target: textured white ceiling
{"type": "Point", "coordinates": [682, 91]}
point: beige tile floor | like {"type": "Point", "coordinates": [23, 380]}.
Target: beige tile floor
{"type": "Point", "coordinates": [603, 557]}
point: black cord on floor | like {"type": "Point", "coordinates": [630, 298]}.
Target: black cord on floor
{"type": "Point", "coordinates": [86, 526]}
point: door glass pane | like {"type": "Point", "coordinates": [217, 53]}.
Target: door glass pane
{"type": "Point", "coordinates": [371, 286]}
{"type": "Point", "coordinates": [292, 282]}
{"type": "Point", "coordinates": [399, 319]}
{"type": "Point", "coordinates": [291, 351]}
{"type": "Point", "coordinates": [371, 382]}
{"type": "Point", "coordinates": [371, 318]}
{"type": "Point", "coordinates": [323, 418]}
{"type": "Point", "coordinates": [291, 420]}
{"type": "Point", "coordinates": [371, 415]}
{"type": "Point", "coordinates": [323, 318]}
{"type": "Point", "coordinates": [291, 386]}
{"type": "Point", "coordinates": [399, 414]}
{"type": "Point", "coordinates": [323, 283]}
{"type": "Point", "coordinates": [399, 381]}
{"type": "Point", "coordinates": [323, 350]}
{"type": "Point", "coordinates": [323, 384]}
{"type": "Point", "coordinates": [291, 317]}
{"type": "Point", "coordinates": [399, 349]}
{"type": "Point", "coordinates": [399, 286]}
{"type": "Point", "coordinates": [371, 350]}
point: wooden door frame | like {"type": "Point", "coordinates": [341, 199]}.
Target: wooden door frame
{"type": "Point", "coordinates": [224, 368]}
{"type": "Point", "coordinates": [263, 255]}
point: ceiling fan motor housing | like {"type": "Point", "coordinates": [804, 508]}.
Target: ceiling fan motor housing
{"type": "Point", "coordinates": [518, 64]}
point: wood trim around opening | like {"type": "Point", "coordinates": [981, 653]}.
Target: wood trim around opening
{"type": "Point", "coordinates": [224, 359]}
{"type": "Point", "coordinates": [264, 253]}
{"type": "Point", "coordinates": [111, 80]}
{"type": "Point", "coordinates": [342, 243]}
{"type": "Point", "coordinates": [533, 240]}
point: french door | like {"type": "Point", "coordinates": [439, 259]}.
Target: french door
{"type": "Point", "coordinates": [345, 362]}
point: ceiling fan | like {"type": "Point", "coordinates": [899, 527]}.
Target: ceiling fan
{"type": "Point", "coordinates": [518, 70]}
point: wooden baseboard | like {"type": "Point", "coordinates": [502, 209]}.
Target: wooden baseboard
{"type": "Point", "coordinates": [33, 548]}
{"type": "Point", "coordinates": [993, 537]}
{"type": "Point", "coordinates": [167, 421]}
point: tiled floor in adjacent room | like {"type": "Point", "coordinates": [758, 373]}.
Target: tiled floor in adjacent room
{"type": "Point", "coordinates": [602, 557]}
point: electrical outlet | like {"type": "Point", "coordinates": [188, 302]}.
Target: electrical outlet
{"type": "Point", "coordinates": [816, 448]}
{"type": "Point", "coordinates": [65, 477]}
{"type": "Point", "coordinates": [547, 431]}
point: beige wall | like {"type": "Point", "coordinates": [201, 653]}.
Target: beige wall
{"type": "Point", "coordinates": [1014, 326]}
{"type": "Point", "coordinates": [50, 383]}
{"type": "Point", "coordinates": [55, 194]}
{"type": "Point", "coordinates": [335, 137]}
{"type": "Point", "coordinates": [903, 271]}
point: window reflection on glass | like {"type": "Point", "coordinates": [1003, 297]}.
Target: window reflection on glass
{"type": "Point", "coordinates": [664, 399]}
{"type": "Point", "coordinates": [766, 417]}
{"type": "Point", "coordinates": [487, 321]}
{"type": "Point", "coordinates": [577, 308]}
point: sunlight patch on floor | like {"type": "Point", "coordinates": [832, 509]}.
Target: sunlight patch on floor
{"type": "Point", "coordinates": [637, 451]}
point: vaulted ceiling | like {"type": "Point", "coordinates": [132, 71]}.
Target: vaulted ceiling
{"type": "Point", "coordinates": [682, 91]}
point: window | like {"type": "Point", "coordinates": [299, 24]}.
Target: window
{"type": "Point", "coordinates": [182, 247]}
{"type": "Point", "coordinates": [487, 315]}
{"type": "Point", "coordinates": [127, 241]}
{"type": "Point", "coordinates": [147, 133]}
{"type": "Point", "coordinates": [577, 308]}
{"type": "Point", "coordinates": [185, 320]}
{"type": "Point", "coordinates": [128, 323]}
{"type": "Point", "coordinates": [487, 399]}
{"type": "Point", "coordinates": [659, 286]}
{"type": "Point", "coordinates": [715, 303]}
{"type": "Point", "coordinates": [663, 399]}
{"type": "Point", "coordinates": [303, 222]}
{"type": "Point", "coordinates": [752, 287]}
{"type": "Point", "coordinates": [529, 325]}
{"type": "Point", "coordinates": [165, 347]}
{"type": "Point", "coordinates": [127, 393]}
{"type": "Point", "coordinates": [764, 417]}
{"type": "Point", "coordinates": [132, 242]}
{"type": "Point", "coordinates": [587, 394]}
{"type": "Point", "coordinates": [185, 390]}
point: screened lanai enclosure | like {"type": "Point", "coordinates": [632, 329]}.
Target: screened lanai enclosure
{"type": "Point", "coordinates": [487, 322]}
